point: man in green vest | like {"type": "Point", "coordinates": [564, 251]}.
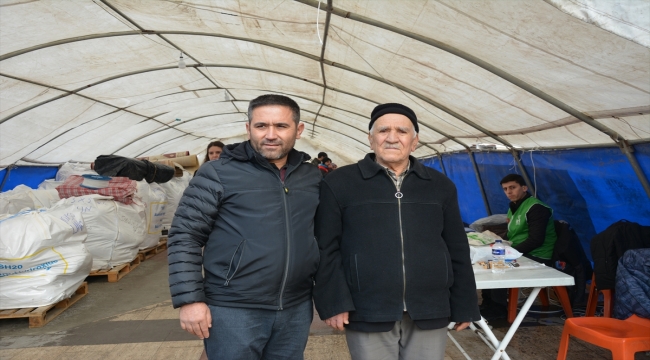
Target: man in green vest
{"type": "Point", "coordinates": [530, 222]}
{"type": "Point", "coordinates": [530, 229]}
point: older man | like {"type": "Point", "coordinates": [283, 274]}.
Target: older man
{"type": "Point", "coordinates": [253, 210]}
{"type": "Point", "coordinates": [395, 266]}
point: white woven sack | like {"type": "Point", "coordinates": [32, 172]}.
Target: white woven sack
{"type": "Point", "coordinates": [174, 189]}
{"type": "Point", "coordinates": [49, 184]}
{"type": "Point", "coordinates": [153, 197]}
{"type": "Point", "coordinates": [23, 197]}
{"type": "Point", "coordinates": [115, 230]}
{"type": "Point", "coordinates": [68, 169]}
{"type": "Point", "coordinates": [43, 259]}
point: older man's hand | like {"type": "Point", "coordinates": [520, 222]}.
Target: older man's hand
{"type": "Point", "coordinates": [337, 321]}
{"type": "Point", "coordinates": [196, 319]}
{"type": "Point", "coordinates": [461, 326]}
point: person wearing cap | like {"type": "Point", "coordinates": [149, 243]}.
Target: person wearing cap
{"type": "Point", "coordinates": [394, 258]}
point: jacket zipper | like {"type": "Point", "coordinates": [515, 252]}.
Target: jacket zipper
{"type": "Point", "coordinates": [399, 196]}
{"type": "Point", "coordinates": [285, 191]}
{"type": "Point", "coordinates": [241, 255]}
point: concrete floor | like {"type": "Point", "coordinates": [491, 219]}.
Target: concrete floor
{"type": "Point", "coordinates": [134, 319]}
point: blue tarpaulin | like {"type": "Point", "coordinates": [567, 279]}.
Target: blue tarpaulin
{"type": "Point", "coordinates": [588, 188]}
{"type": "Point", "coordinates": [31, 176]}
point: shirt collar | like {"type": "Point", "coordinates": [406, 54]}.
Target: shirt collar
{"type": "Point", "coordinates": [369, 167]}
{"type": "Point", "coordinates": [392, 174]}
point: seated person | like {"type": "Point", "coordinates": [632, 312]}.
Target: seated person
{"type": "Point", "coordinates": [530, 222]}
{"type": "Point", "coordinates": [532, 232]}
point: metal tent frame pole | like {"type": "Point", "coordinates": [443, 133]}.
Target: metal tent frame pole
{"type": "Point", "coordinates": [628, 150]}
{"type": "Point", "coordinates": [480, 183]}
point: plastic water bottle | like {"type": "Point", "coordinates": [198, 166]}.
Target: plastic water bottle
{"type": "Point", "coordinates": [498, 257]}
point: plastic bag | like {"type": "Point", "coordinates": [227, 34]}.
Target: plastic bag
{"type": "Point", "coordinates": [484, 238]}
{"type": "Point", "coordinates": [68, 169]}
{"type": "Point", "coordinates": [484, 253]}
{"type": "Point", "coordinates": [489, 222]}
{"type": "Point", "coordinates": [113, 165]}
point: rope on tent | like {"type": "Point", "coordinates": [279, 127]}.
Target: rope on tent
{"type": "Point", "coordinates": [534, 175]}
{"type": "Point", "coordinates": [317, 17]}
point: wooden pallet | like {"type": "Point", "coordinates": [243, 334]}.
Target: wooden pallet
{"type": "Point", "coordinates": [40, 316]}
{"type": "Point", "coordinates": [153, 251]}
{"type": "Point", "coordinates": [117, 272]}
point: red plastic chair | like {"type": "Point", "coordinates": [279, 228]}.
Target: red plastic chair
{"type": "Point", "coordinates": [622, 337]}
{"type": "Point", "coordinates": [608, 295]}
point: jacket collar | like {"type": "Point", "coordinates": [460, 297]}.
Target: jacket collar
{"type": "Point", "coordinates": [369, 167]}
{"type": "Point", "coordinates": [243, 151]}
{"type": "Point", "coordinates": [514, 205]}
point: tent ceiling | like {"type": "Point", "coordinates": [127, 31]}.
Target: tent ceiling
{"type": "Point", "coordinates": [82, 78]}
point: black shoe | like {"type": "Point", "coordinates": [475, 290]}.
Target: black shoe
{"type": "Point", "coordinates": [495, 311]}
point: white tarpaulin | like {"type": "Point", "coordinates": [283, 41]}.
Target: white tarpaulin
{"type": "Point", "coordinates": [81, 78]}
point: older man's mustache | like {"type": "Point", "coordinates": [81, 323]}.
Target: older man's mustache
{"type": "Point", "coordinates": [392, 146]}
{"type": "Point", "coordinates": [267, 142]}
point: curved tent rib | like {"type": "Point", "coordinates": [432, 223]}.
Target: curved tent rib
{"type": "Point", "coordinates": [478, 62]}
{"type": "Point", "coordinates": [328, 14]}
{"type": "Point", "coordinates": [617, 138]}
{"type": "Point", "coordinates": [469, 94]}
{"type": "Point", "coordinates": [199, 65]}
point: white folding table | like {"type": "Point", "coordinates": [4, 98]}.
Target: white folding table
{"type": "Point", "coordinates": [531, 275]}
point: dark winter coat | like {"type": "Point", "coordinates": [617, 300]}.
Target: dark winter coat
{"type": "Point", "coordinates": [258, 233]}
{"type": "Point", "coordinates": [609, 245]}
{"type": "Point", "coordinates": [365, 267]}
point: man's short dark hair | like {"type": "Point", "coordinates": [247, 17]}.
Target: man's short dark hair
{"type": "Point", "coordinates": [327, 160]}
{"type": "Point", "coordinates": [321, 155]}
{"type": "Point", "coordinates": [273, 99]}
{"type": "Point", "coordinates": [514, 177]}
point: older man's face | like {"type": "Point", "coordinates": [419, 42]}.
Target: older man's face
{"type": "Point", "coordinates": [392, 139]}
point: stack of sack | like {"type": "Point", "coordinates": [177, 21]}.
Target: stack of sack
{"type": "Point", "coordinates": [131, 189]}
{"type": "Point", "coordinates": [43, 259]}
{"type": "Point", "coordinates": [54, 236]}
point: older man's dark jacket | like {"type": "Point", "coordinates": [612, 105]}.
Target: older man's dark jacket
{"type": "Point", "coordinates": [365, 266]}
{"type": "Point", "coordinates": [258, 233]}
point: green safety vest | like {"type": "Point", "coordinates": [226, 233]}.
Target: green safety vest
{"type": "Point", "coordinates": [518, 229]}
